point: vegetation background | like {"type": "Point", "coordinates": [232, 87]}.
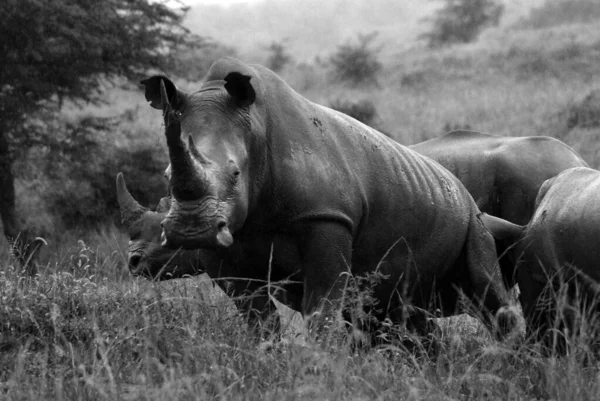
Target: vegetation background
{"type": "Point", "coordinates": [85, 330]}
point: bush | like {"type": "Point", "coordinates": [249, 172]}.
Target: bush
{"type": "Point", "coordinates": [194, 64]}
{"type": "Point", "coordinates": [559, 12]}
{"type": "Point", "coordinates": [461, 21]}
{"type": "Point", "coordinates": [453, 126]}
{"type": "Point", "coordinates": [362, 110]}
{"type": "Point", "coordinates": [77, 170]}
{"type": "Point", "coordinates": [278, 56]}
{"type": "Point", "coordinates": [357, 63]}
{"type": "Point", "coordinates": [585, 114]}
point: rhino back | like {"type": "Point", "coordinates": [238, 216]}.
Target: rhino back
{"type": "Point", "coordinates": [524, 164]}
{"type": "Point", "coordinates": [565, 228]}
{"type": "Point", "coordinates": [503, 174]}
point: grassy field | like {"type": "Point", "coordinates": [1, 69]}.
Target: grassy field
{"type": "Point", "coordinates": [85, 330]}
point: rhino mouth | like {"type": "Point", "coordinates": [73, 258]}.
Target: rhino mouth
{"type": "Point", "coordinates": [192, 225]}
{"type": "Point", "coordinates": [210, 235]}
{"type": "Point", "coordinates": [139, 268]}
{"type": "Point", "coordinates": [177, 265]}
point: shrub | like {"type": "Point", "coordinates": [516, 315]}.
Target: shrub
{"type": "Point", "coordinates": [362, 110]}
{"type": "Point", "coordinates": [77, 170]}
{"type": "Point", "coordinates": [278, 56]}
{"type": "Point", "coordinates": [306, 76]}
{"type": "Point", "coordinates": [461, 21]}
{"type": "Point", "coordinates": [585, 114]}
{"type": "Point", "coordinates": [453, 126]}
{"type": "Point", "coordinates": [194, 64]}
{"type": "Point", "coordinates": [357, 63]}
{"type": "Point", "coordinates": [559, 12]}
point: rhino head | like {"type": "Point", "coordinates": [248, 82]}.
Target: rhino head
{"type": "Point", "coordinates": [210, 173]}
{"type": "Point", "coordinates": [147, 257]}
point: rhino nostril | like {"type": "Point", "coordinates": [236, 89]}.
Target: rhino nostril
{"type": "Point", "coordinates": [221, 224]}
{"type": "Point", "coordinates": [134, 260]}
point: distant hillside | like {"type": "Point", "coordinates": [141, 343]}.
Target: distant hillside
{"type": "Point", "coordinates": [309, 28]}
{"type": "Point", "coordinates": [560, 12]}
{"type": "Point", "coordinates": [313, 28]}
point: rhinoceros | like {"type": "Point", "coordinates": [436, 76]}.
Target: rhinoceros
{"type": "Point", "coordinates": [277, 189]}
{"type": "Point", "coordinates": [146, 255]}
{"type": "Point", "coordinates": [503, 174]}
{"type": "Point", "coordinates": [558, 253]}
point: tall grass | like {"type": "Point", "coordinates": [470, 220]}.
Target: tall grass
{"type": "Point", "coordinates": [80, 332]}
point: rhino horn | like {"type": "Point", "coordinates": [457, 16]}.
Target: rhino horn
{"type": "Point", "coordinates": [130, 209]}
{"type": "Point", "coordinates": [194, 151]}
{"type": "Point", "coordinates": [188, 178]}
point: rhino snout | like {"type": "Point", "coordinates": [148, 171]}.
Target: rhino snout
{"type": "Point", "coordinates": [210, 234]}
{"type": "Point", "coordinates": [134, 261]}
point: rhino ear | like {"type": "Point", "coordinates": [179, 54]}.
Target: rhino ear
{"type": "Point", "coordinates": [152, 85]}
{"type": "Point", "coordinates": [240, 89]}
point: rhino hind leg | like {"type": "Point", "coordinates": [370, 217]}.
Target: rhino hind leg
{"type": "Point", "coordinates": [489, 298]}
{"type": "Point", "coordinates": [560, 314]}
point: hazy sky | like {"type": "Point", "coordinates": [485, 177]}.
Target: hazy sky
{"type": "Point", "coordinates": [223, 2]}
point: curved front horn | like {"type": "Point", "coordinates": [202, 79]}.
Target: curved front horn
{"type": "Point", "coordinates": [188, 178]}
{"type": "Point", "coordinates": [130, 209]}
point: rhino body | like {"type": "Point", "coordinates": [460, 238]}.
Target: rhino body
{"type": "Point", "coordinates": [276, 189]}
{"type": "Point", "coordinates": [560, 254]}
{"type": "Point", "coordinates": [503, 174]}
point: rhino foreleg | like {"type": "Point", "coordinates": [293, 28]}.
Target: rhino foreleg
{"type": "Point", "coordinates": [326, 257]}
{"type": "Point", "coordinates": [252, 299]}
{"type": "Point", "coordinates": [489, 296]}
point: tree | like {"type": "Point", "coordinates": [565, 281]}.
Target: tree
{"type": "Point", "coordinates": [57, 50]}
{"type": "Point", "coordinates": [357, 63]}
{"type": "Point", "coordinates": [278, 56]}
{"type": "Point", "coordinates": [461, 21]}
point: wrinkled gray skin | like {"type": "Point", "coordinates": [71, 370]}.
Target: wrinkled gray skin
{"type": "Point", "coordinates": [147, 257]}
{"type": "Point", "coordinates": [503, 174]}
{"type": "Point", "coordinates": [276, 188]}
{"type": "Point", "coordinates": [560, 250]}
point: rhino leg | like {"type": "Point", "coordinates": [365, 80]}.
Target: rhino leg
{"type": "Point", "coordinates": [485, 289]}
{"type": "Point", "coordinates": [421, 323]}
{"type": "Point", "coordinates": [550, 307]}
{"type": "Point", "coordinates": [249, 294]}
{"type": "Point", "coordinates": [326, 255]}
{"type": "Point", "coordinates": [253, 300]}
{"type": "Point", "coordinates": [262, 313]}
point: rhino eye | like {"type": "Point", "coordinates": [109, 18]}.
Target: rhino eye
{"type": "Point", "coordinates": [236, 173]}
